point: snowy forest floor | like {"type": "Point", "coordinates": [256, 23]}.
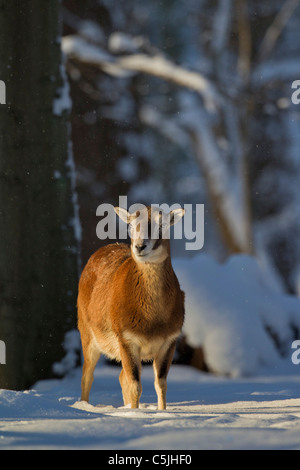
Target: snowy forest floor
{"type": "Point", "coordinates": [204, 412]}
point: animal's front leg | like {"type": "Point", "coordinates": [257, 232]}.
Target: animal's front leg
{"type": "Point", "coordinates": [161, 366]}
{"type": "Point", "coordinates": [130, 377]}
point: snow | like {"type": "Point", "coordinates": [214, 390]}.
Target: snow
{"type": "Point", "coordinates": [74, 45]}
{"type": "Point", "coordinates": [252, 401]}
{"type": "Point", "coordinates": [2, 92]}
{"type": "Point", "coordinates": [157, 65]}
{"type": "Point", "coordinates": [204, 412]}
{"type": "Point", "coordinates": [91, 30]}
{"type": "Point", "coordinates": [120, 43]}
{"type": "Point", "coordinates": [71, 346]}
{"type": "Point", "coordinates": [63, 100]}
{"type": "Point", "coordinates": [61, 103]}
{"type": "Point", "coordinates": [231, 308]}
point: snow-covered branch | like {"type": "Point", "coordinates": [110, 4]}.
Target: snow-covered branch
{"type": "Point", "coordinates": [156, 65]}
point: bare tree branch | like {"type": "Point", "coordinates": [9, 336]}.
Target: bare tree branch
{"type": "Point", "coordinates": [267, 72]}
{"type": "Point", "coordinates": [221, 25]}
{"type": "Point", "coordinates": [276, 28]}
{"type": "Point", "coordinates": [245, 41]}
{"type": "Point", "coordinates": [226, 192]}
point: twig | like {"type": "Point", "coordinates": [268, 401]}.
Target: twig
{"type": "Point", "coordinates": [276, 28]}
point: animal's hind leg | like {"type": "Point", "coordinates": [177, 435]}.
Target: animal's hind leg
{"type": "Point", "coordinates": [91, 356]}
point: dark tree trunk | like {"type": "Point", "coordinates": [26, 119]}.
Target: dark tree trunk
{"type": "Point", "coordinates": [38, 246]}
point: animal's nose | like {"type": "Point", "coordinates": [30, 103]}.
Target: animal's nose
{"type": "Point", "coordinates": [139, 248]}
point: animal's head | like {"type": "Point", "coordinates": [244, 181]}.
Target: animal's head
{"type": "Point", "coordinates": [150, 231]}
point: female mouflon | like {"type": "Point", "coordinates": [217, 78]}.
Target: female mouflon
{"type": "Point", "coordinates": [130, 305]}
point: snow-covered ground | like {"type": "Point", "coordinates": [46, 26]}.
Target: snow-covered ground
{"type": "Point", "coordinates": [204, 412]}
{"type": "Point", "coordinates": [238, 313]}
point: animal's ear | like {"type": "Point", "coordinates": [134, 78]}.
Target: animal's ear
{"type": "Point", "coordinates": [176, 215]}
{"type": "Point", "coordinates": [157, 215]}
{"type": "Point", "coordinates": [123, 214]}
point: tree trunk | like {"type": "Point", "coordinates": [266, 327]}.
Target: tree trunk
{"type": "Point", "coordinates": [38, 246]}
